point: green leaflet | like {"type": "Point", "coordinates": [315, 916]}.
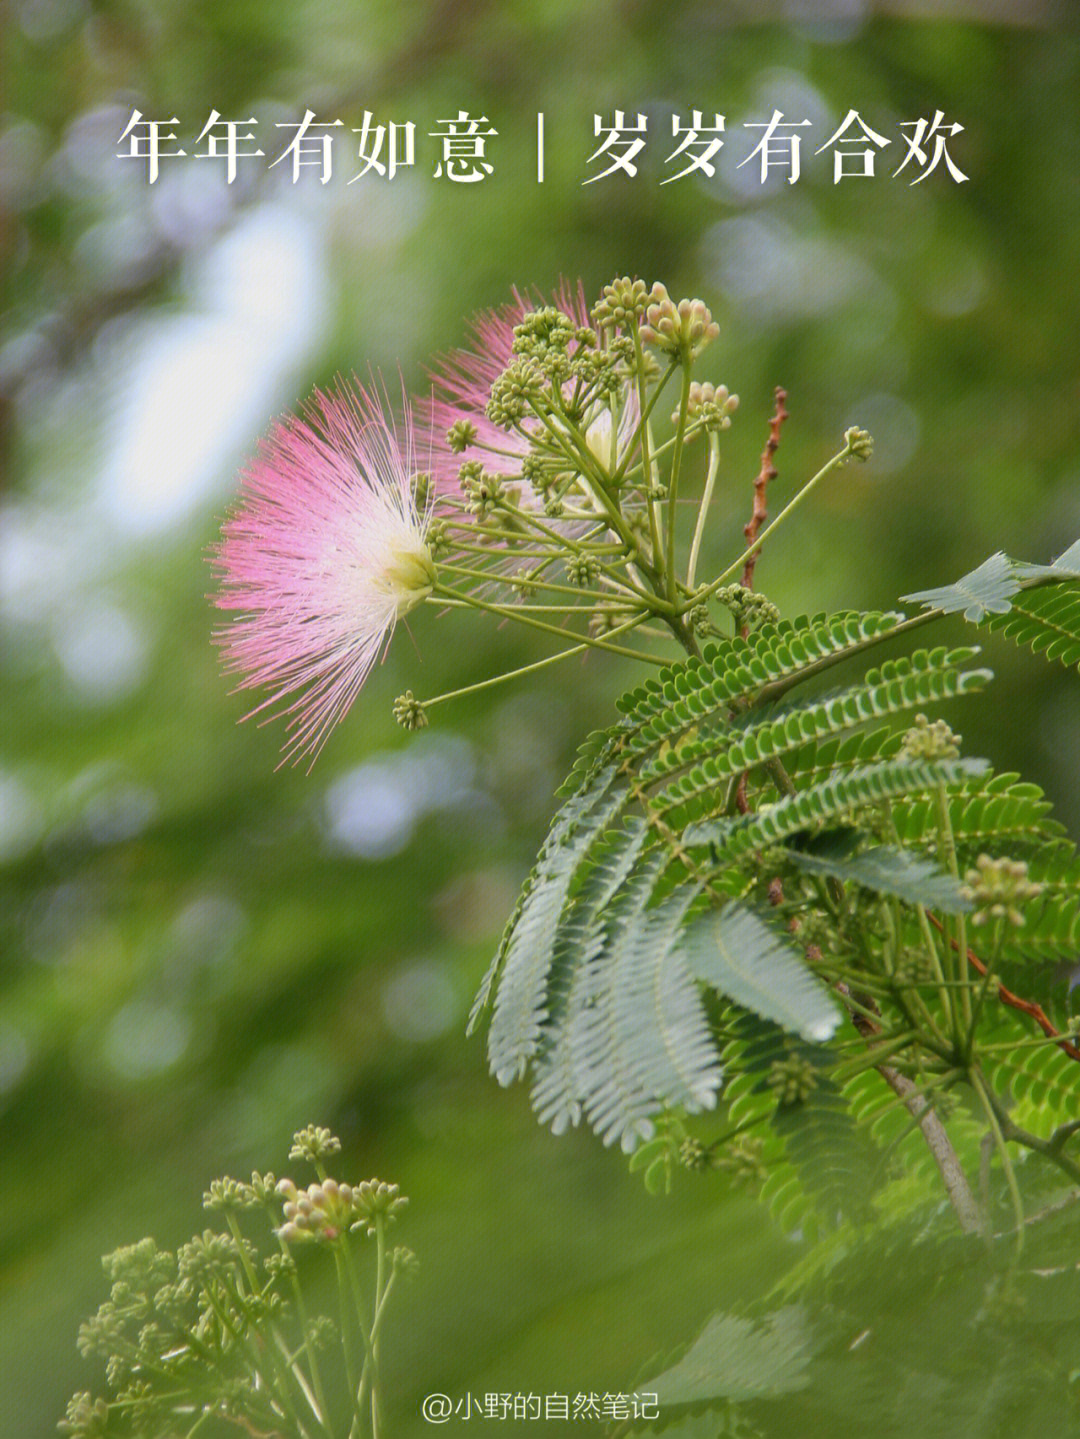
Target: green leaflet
{"type": "Point", "coordinates": [639, 898]}
{"type": "Point", "coordinates": [1046, 620]}
{"type": "Point", "coordinates": [998, 811]}
{"type": "Point", "coordinates": [697, 690]}
{"type": "Point", "coordinates": [644, 1043]}
{"type": "Point", "coordinates": [988, 595]}
{"type": "Point", "coordinates": [820, 1163]}
{"type": "Point", "coordinates": [922, 679]}
{"type": "Point", "coordinates": [735, 1359]}
{"type": "Point", "coordinates": [729, 838]}
{"type": "Point", "coordinates": [736, 953]}
{"type": "Point", "coordinates": [886, 870]}
{"type": "Point", "coordinates": [1042, 1080]}
{"type": "Point", "coordinates": [525, 957]}
{"type": "Point", "coordinates": [986, 590]}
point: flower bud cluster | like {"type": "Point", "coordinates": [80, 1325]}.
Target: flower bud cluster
{"type": "Point", "coordinates": [484, 490]}
{"type": "Point", "coordinates": [930, 741]}
{"type": "Point", "coordinates": [997, 888]}
{"type": "Point", "coordinates": [621, 303]}
{"type": "Point", "coordinates": [315, 1143]}
{"type": "Point", "coordinates": [601, 372]}
{"type": "Point", "coordinates": [693, 1155]}
{"type": "Point", "coordinates": [700, 621]}
{"type": "Point", "coordinates": [229, 1193]}
{"type": "Point", "coordinates": [405, 1261]}
{"type": "Point", "coordinates": [544, 331]}
{"type": "Point", "coordinates": [515, 392]}
{"type": "Point", "coordinates": [749, 610]}
{"type": "Point", "coordinates": [682, 329]}
{"type": "Point", "coordinates": [409, 712]}
{"type": "Point", "coordinates": [421, 486]}
{"type": "Point", "coordinates": [207, 1254]}
{"type": "Point", "coordinates": [913, 966]}
{"type": "Point", "coordinates": [582, 569]}
{"type": "Point", "coordinates": [460, 435]}
{"type": "Point", "coordinates": [711, 405]}
{"type": "Point", "coordinates": [792, 1079]}
{"type": "Point", "coordinates": [327, 1209]}
{"type": "Point", "coordinates": [742, 1159]}
{"type": "Point", "coordinates": [860, 443]}
{"type": "Point", "coordinates": [87, 1417]}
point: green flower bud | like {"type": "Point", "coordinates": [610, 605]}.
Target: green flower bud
{"type": "Point", "coordinates": [514, 393]}
{"type": "Point", "coordinates": [226, 1194]}
{"type": "Point", "coordinates": [683, 329]}
{"type": "Point", "coordinates": [315, 1143]}
{"type": "Point", "coordinates": [372, 1198]}
{"type": "Point", "coordinates": [859, 443]}
{"type": "Point", "coordinates": [460, 435]}
{"type": "Point", "coordinates": [542, 332]}
{"type": "Point", "coordinates": [409, 712]}
{"type": "Point", "coordinates": [749, 610]}
{"type": "Point", "coordinates": [582, 570]}
{"type": "Point", "coordinates": [997, 888]}
{"type": "Point", "coordinates": [622, 303]}
{"type": "Point", "coordinates": [926, 741]}
{"type": "Point", "coordinates": [792, 1079]}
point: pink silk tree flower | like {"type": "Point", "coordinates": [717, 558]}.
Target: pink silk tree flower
{"type": "Point", "coordinates": [324, 552]}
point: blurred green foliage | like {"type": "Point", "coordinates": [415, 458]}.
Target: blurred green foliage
{"type": "Point", "coordinates": [200, 954]}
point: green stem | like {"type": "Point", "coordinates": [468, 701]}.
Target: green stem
{"type": "Point", "coordinates": [990, 1109]}
{"type": "Point", "coordinates": [350, 1366]}
{"type": "Point", "coordinates": [509, 613]}
{"type": "Point", "coordinates": [537, 584]}
{"type": "Point", "coordinates": [706, 500]}
{"type": "Point", "coordinates": [784, 514]}
{"type": "Point", "coordinates": [526, 669]}
{"type": "Point", "coordinates": [640, 435]}
{"type": "Point", "coordinates": [673, 484]}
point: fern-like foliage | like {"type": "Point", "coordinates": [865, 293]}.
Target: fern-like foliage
{"type": "Point", "coordinates": [884, 869]}
{"type": "Point", "coordinates": [1046, 620]}
{"type": "Point", "coordinates": [833, 797]}
{"type": "Point", "coordinates": [764, 904]}
{"type": "Point", "coordinates": [642, 899]}
{"type": "Point", "coordinates": [736, 1359]}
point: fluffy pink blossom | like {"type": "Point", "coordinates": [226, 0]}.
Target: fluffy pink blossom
{"type": "Point", "coordinates": [324, 552]}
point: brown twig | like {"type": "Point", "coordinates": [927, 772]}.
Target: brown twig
{"type": "Point", "coordinates": [1014, 1001]}
{"type": "Point", "coordinates": [765, 474]}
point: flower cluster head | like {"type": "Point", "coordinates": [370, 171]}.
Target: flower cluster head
{"type": "Point", "coordinates": [326, 1209]}
{"type": "Point", "coordinates": [860, 443]}
{"type": "Point", "coordinates": [743, 1159]}
{"type": "Point", "coordinates": [87, 1417]}
{"type": "Point", "coordinates": [409, 712]}
{"type": "Point", "coordinates": [712, 406]}
{"type": "Point", "coordinates": [314, 1144]}
{"type": "Point", "coordinates": [928, 740]}
{"type": "Point", "coordinates": [749, 610]}
{"type": "Point", "coordinates": [528, 357]}
{"type": "Point", "coordinates": [622, 303]}
{"type": "Point", "coordinates": [792, 1079]}
{"type": "Point", "coordinates": [682, 329]}
{"type": "Point", "coordinates": [326, 550]}
{"type": "Point", "coordinates": [998, 888]}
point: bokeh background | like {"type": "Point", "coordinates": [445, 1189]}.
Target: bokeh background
{"type": "Point", "coordinates": [200, 954]}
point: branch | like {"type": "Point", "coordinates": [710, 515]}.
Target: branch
{"type": "Point", "coordinates": [933, 1131]}
{"type": "Point", "coordinates": [765, 474]}
{"type": "Point", "coordinates": [1014, 1001]}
